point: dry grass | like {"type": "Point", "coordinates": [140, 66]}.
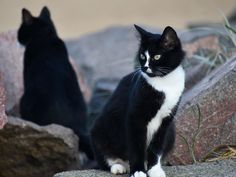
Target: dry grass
{"type": "Point", "coordinates": [221, 152]}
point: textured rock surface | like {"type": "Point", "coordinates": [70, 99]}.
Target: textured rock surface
{"type": "Point", "coordinates": [85, 89]}
{"type": "Point", "coordinates": [28, 150]}
{"type": "Point", "coordinates": [201, 49]}
{"type": "Point", "coordinates": [106, 54]}
{"type": "Point", "coordinates": [102, 92]}
{"type": "Point", "coordinates": [3, 117]}
{"type": "Point", "coordinates": [207, 116]}
{"type": "Point", "coordinates": [194, 74]}
{"type": "Point", "coordinates": [11, 67]}
{"type": "Point", "coordinates": [216, 169]}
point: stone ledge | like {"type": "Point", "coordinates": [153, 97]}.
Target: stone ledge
{"type": "Point", "coordinates": [224, 168]}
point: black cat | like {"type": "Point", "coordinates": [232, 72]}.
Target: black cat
{"type": "Point", "coordinates": [51, 90]}
{"type": "Point", "coordinates": [136, 128]}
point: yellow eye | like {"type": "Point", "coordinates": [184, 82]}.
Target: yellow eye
{"type": "Point", "coordinates": [157, 57]}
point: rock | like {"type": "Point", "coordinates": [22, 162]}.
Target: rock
{"type": "Point", "coordinates": [232, 17]}
{"type": "Point", "coordinates": [206, 50]}
{"type": "Point", "coordinates": [33, 151]}
{"type": "Point", "coordinates": [207, 116]}
{"type": "Point", "coordinates": [3, 117]}
{"type": "Point", "coordinates": [197, 69]}
{"type": "Point", "coordinates": [85, 89]}
{"type": "Point", "coordinates": [11, 70]}
{"type": "Point", "coordinates": [86, 173]}
{"type": "Point", "coordinates": [224, 168]}
{"type": "Point", "coordinates": [217, 169]}
{"type": "Point", "coordinates": [201, 41]}
{"type": "Point", "coordinates": [106, 54]}
{"type": "Point", "coordinates": [11, 67]}
{"type": "Point", "coordinates": [102, 91]}
{"type": "Point", "coordinates": [195, 73]}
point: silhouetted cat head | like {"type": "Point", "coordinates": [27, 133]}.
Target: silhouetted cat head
{"type": "Point", "coordinates": [31, 27]}
{"type": "Point", "coordinates": [159, 54]}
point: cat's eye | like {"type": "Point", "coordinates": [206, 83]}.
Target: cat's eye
{"type": "Point", "coordinates": [157, 57]}
{"type": "Point", "coordinates": [142, 56]}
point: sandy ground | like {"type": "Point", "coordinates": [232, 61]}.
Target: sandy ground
{"type": "Point", "coordinates": [74, 18]}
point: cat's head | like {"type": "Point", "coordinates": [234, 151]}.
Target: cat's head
{"type": "Point", "coordinates": [159, 54]}
{"type": "Point", "coordinates": [31, 26]}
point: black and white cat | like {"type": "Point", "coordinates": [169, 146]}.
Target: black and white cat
{"type": "Point", "coordinates": [136, 128]}
{"type": "Point", "coordinates": [51, 91]}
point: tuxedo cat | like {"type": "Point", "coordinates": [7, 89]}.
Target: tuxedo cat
{"type": "Point", "coordinates": [136, 129]}
{"type": "Point", "coordinates": [51, 91]}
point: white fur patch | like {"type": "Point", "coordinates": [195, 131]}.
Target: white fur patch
{"type": "Point", "coordinates": [172, 85]}
{"type": "Point", "coordinates": [118, 166]}
{"type": "Point", "coordinates": [118, 169]}
{"type": "Point", "coordinates": [156, 170]}
{"type": "Point", "coordinates": [139, 174]}
{"type": "Point", "coordinates": [148, 59]}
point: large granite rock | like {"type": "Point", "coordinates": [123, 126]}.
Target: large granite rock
{"type": "Point", "coordinates": [28, 150]}
{"type": "Point", "coordinates": [217, 169]}
{"type": "Point", "coordinates": [11, 67]}
{"type": "Point", "coordinates": [106, 54]}
{"type": "Point", "coordinates": [3, 117]}
{"type": "Point", "coordinates": [103, 89]}
{"type": "Point", "coordinates": [207, 116]}
{"type": "Point", "coordinates": [197, 69]}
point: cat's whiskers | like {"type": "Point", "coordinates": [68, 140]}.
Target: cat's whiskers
{"type": "Point", "coordinates": [164, 70]}
{"type": "Point", "coordinates": [160, 73]}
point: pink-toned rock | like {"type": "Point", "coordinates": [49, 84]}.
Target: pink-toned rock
{"type": "Point", "coordinates": [207, 116]}
{"type": "Point", "coordinates": [85, 89]}
{"type": "Point", "coordinates": [3, 117]}
{"type": "Point", "coordinates": [195, 73]}
{"type": "Point", "coordinates": [11, 71]}
{"type": "Point", "coordinates": [210, 42]}
{"type": "Point", "coordinates": [11, 67]}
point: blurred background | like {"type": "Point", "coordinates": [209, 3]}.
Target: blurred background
{"type": "Point", "coordinates": [102, 44]}
{"type": "Point", "coordinates": [74, 18]}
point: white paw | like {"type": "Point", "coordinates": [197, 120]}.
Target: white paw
{"type": "Point", "coordinates": [156, 171]}
{"type": "Point", "coordinates": [118, 169]}
{"type": "Point", "coordinates": [139, 174]}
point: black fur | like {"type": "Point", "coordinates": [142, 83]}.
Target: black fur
{"type": "Point", "coordinates": [51, 90]}
{"type": "Point", "coordinates": [167, 45]}
{"type": "Point", "coordinates": [120, 131]}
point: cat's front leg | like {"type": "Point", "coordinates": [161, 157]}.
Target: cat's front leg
{"type": "Point", "coordinates": [156, 170]}
{"type": "Point", "coordinates": [160, 145]}
{"type": "Point", "coordinates": [136, 141]}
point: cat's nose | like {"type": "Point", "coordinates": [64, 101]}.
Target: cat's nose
{"type": "Point", "coordinates": [145, 68]}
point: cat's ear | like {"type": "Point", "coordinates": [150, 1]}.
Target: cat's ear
{"type": "Point", "coordinates": [27, 18]}
{"type": "Point", "coordinates": [45, 13]}
{"type": "Point", "coordinates": [169, 38]}
{"type": "Point", "coordinates": [143, 33]}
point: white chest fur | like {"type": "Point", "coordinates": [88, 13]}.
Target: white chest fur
{"type": "Point", "coordinates": [172, 85]}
